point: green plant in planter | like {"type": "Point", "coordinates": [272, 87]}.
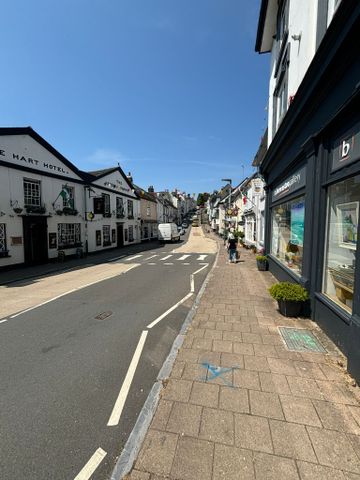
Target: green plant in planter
{"type": "Point", "coordinates": [261, 258]}
{"type": "Point", "coordinates": [290, 297]}
{"type": "Point", "coordinates": [262, 262]}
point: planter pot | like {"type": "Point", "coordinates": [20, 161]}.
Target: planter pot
{"type": "Point", "coordinates": [262, 266]}
{"type": "Point", "coordinates": [18, 210]}
{"type": "Point", "coordinates": [290, 308]}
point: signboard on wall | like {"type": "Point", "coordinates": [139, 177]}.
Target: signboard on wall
{"type": "Point", "coordinates": [346, 148]}
{"type": "Point", "coordinates": [290, 185]}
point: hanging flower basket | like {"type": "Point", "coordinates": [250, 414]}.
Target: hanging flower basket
{"type": "Point", "coordinates": [69, 211]}
{"type": "Point", "coordinates": [18, 210]}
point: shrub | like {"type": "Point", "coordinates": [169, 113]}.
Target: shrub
{"type": "Point", "coordinates": [261, 258]}
{"type": "Point", "coordinates": [288, 291]}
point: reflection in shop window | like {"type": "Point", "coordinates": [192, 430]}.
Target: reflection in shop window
{"type": "Point", "coordinates": [287, 240]}
{"type": "Point", "coordinates": [341, 241]}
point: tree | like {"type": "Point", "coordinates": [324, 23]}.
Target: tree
{"type": "Point", "coordinates": [202, 198]}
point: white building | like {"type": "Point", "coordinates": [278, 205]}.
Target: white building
{"type": "Point", "coordinates": [49, 208]}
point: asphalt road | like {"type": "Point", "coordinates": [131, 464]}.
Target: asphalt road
{"type": "Point", "coordinates": [62, 368]}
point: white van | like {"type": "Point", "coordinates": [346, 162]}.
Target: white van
{"type": "Point", "coordinates": [168, 232]}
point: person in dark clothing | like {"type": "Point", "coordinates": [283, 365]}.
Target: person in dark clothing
{"type": "Point", "coordinates": [232, 244]}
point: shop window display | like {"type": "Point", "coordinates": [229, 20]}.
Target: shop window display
{"type": "Point", "coordinates": [341, 241]}
{"type": "Point", "coordinates": [288, 233]}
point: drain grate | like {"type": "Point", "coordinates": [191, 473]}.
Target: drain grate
{"type": "Point", "coordinates": [301, 340]}
{"type": "Point", "coordinates": [103, 315]}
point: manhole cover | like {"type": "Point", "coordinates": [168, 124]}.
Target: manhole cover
{"type": "Point", "coordinates": [301, 340]}
{"type": "Point", "coordinates": [103, 315]}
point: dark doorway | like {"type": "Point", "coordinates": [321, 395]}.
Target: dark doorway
{"type": "Point", "coordinates": [120, 236]}
{"type": "Point", "coordinates": [35, 240]}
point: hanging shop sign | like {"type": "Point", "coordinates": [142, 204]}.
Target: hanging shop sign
{"type": "Point", "coordinates": [290, 185]}
{"type": "Point", "coordinates": [346, 148]}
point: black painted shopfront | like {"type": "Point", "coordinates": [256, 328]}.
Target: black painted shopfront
{"type": "Point", "coordinates": [312, 169]}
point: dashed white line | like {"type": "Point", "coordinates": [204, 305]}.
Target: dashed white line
{"type": "Point", "coordinates": [201, 257]}
{"type": "Point", "coordinates": [149, 258]}
{"type": "Point", "coordinates": [132, 258]}
{"type": "Point", "coordinates": [120, 402]}
{"type": "Point", "coordinates": [192, 284]}
{"type": "Point", "coordinates": [151, 263]}
{"type": "Point", "coordinates": [165, 258]}
{"type": "Point", "coordinates": [91, 465]}
{"type": "Point", "coordinates": [157, 320]}
{"type": "Point", "coordinates": [4, 320]}
{"type": "Point", "coordinates": [168, 263]}
{"type": "Point", "coordinates": [185, 264]}
{"type": "Point", "coordinates": [184, 257]}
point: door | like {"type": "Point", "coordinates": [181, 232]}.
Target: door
{"type": "Point", "coordinates": [35, 240]}
{"type": "Point", "coordinates": [120, 236]}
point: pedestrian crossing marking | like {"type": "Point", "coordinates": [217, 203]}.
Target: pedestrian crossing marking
{"type": "Point", "coordinates": [152, 256]}
{"type": "Point", "coordinates": [165, 258]}
{"type": "Point", "coordinates": [168, 263]}
{"type": "Point", "coordinates": [184, 257]}
{"type": "Point", "coordinates": [201, 257]}
{"type": "Point", "coordinates": [151, 263]}
{"type": "Point", "coordinates": [185, 264]}
{"type": "Point", "coordinates": [133, 258]}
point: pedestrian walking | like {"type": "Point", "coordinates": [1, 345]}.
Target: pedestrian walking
{"type": "Point", "coordinates": [232, 248]}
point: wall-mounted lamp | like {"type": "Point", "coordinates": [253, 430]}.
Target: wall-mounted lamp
{"type": "Point", "coordinates": [297, 38]}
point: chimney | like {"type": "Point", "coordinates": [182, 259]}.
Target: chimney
{"type": "Point", "coordinates": [151, 189]}
{"type": "Point", "coordinates": [129, 177]}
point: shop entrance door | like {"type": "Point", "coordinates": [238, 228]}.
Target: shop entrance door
{"type": "Point", "coordinates": [35, 240]}
{"type": "Point", "coordinates": [120, 236]}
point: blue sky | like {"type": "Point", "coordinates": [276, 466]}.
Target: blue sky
{"type": "Point", "coordinates": [171, 89]}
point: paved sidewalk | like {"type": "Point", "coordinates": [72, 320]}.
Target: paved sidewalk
{"type": "Point", "coordinates": [239, 405]}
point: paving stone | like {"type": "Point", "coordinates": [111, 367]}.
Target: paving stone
{"type": "Point", "coordinates": [332, 373]}
{"type": "Point", "coordinates": [193, 459]}
{"type": "Point", "coordinates": [234, 399]}
{"type": "Point", "coordinates": [251, 338]}
{"type": "Point", "coordinates": [243, 348]}
{"type": "Point", "coordinates": [355, 411]}
{"type": "Point", "coordinates": [309, 471]}
{"type": "Point", "coordinates": [208, 324]}
{"type": "Point", "coordinates": [242, 327]}
{"type": "Point", "coordinates": [231, 463]}
{"type": "Point", "coordinates": [258, 364]}
{"type": "Point", "coordinates": [213, 334]}
{"type": "Point", "coordinates": [184, 419]}
{"type": "Point", "coordinates": [305, 387]}
{"type": "Point", "coordinates": [265, 350]}
{"type": "Point", "coordinates": [177, 369]}
{"type": "Point", "coordinates": [162, 414]}
{"type": "Point", "coordinates": [209, 357]}
{"type": "Point", "coordinates": [246, 379]}
{"type": "Point", "coordinates": [337, 392]}
{"type": "Point", "coordinates": [334, 449]}
{"type": "Point", "coordinates": [222, 346]}
{"type": "Point", "coordinates": [270, 467]}
{"type": "Point", "coordinates": [197, 332]}
{"type": "Point", "coordinates": [232, 360]}
{"type": "Point", "coordinates": [274, 382]}
{"type": "Point", "coordinates": [226, 327]}
{"type": "Point", "coordinates": [205, 394]}
{"type": "Point", "coordinates": [283, 352]}
{"type": "Point", "coordinates": [217, 426]}
{"type": "Point", "coordinates": [194, 371]}
{"type": "Point", "coordinates": [187, 355]}
{"type": "Point", "coordinates": [271, 339]}
{"type": "Point", "coordinates": [202, 344]}
{"type": "Point", "coordinates": [291, 440]}
{"type": "Point", "coordinates": [178, 390]}
{"type": "Point", "coordinates": [336, 416]}
{"type": "Point", "coordinates": [252, 433]}
{"type": "Point", "coordinates": [280, 365]}
{"type": "Point", "coordinates": [233, 336]}
{"type": "Point", "coordinates": [351, 476]}
{"type": "Point", "coordinates": [157, 453]}
{"type": "Point", "coordinates": [355, 442]}
{"type": "Point", "coordinates": [299, 410]}
{"type": "Point", "coordinates": [309, 370]}
{"type": "Point", "coordinates": [137, 475]}
{"type": "Point", "coordinates": [265, 404]}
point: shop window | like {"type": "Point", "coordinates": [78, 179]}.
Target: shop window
{"type": "Point", "coordinates": [106, 235]}
{"type": "Point", "coordinates": [131, 233]}
{"type": "Point", "coordinates": [287, 238]}
{"type": "Point", "coordinates": [69, 235]}
{"type": "Point", "coordinates": [341, 241]}
{"type": "Point", "coordinates": [32, 196]}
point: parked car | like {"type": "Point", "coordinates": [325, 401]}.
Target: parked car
{"type": "Point", "coordinates": [184, 225]}
{"type": "Point", "coordinates": [168, 232]}
{"type": "Point", "coordinates": [195, 222]}
{"type": "Point", "coordinates": [181, 230]}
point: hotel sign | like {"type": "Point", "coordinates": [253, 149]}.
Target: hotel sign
{"type": "Point", "coordinates": [346, 148]}
{"type": "Point", "coordinates": [290, 185]}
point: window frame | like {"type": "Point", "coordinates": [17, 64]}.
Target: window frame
{"type": "Point", "coordinates": [106, 235]}
{"type": "Point", "coordinates": [71, 203]}
{"type": "Point", "coordinates": [33, 182]}
{"type": "Point", "coordinates": [76, 235]}
{"type": "Point", "coordinates": [130, 209]}
{"type": "Point", "coordinates": [3, 240]}
{"type": "Point", "coordinates": [107, 205]}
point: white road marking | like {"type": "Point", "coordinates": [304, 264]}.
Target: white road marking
{"type": "Point", "coordinates": [183, 257]}
{"type": "Point", "coordinates": [132, 258]}
{"type": "Point", "coordinates": [185, 264]}
{"type": "Point", "coordinates": [165, 258]}
{"type": "Point", "coordinates": [91, 465]}
{"type": "Point", "coordinates": [5, 320]}
{"type": "Point", "coordinates": [157, 320]}
{"type": "Point", "coordinates": [150, 263]}
{"type": "Point", "coordinates": [192, 285]}
{"type": "Point", "coordinates": [202, 268]}
{"type": "Point", "coordinates": [201, 257]}
{"type": "Point", "coordinates": [168, 263]}
{"type": "Point", "coordinates": [120, 402]}
{"type": "Point", "coordinates": [116, 258]}
{"type": "Point", "coordinates": [149, 258]}
{"type": "Point", "coordinates": [71, 291]}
